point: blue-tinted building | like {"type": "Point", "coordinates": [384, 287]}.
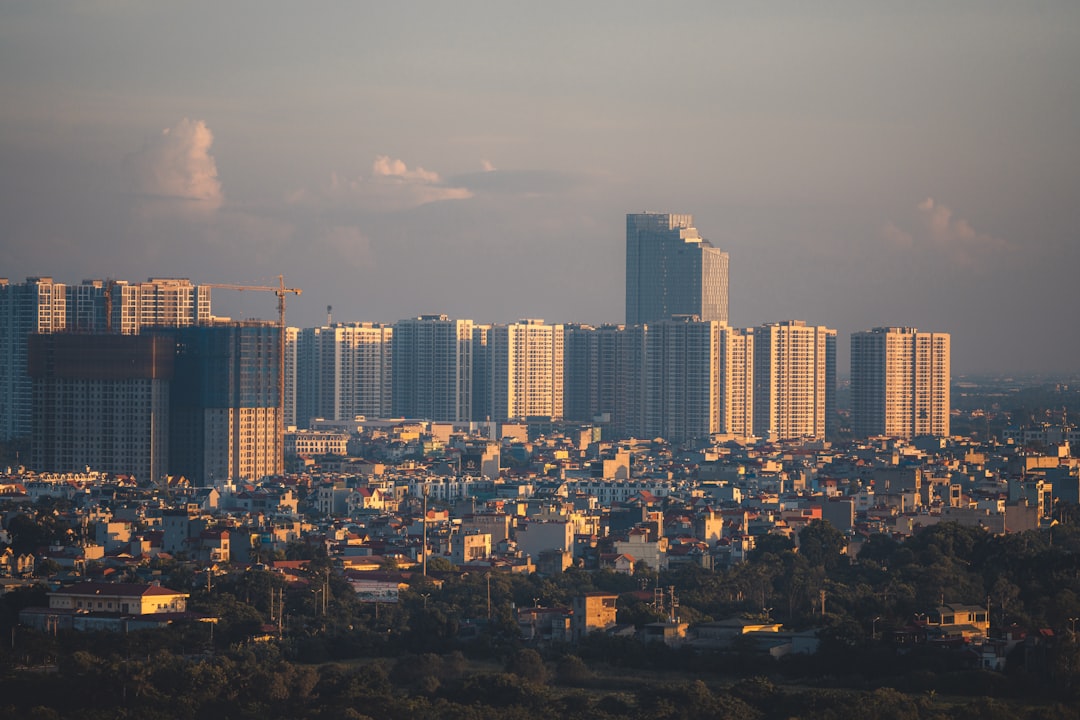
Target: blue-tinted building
{"type": "Point", "coordinates": [671, 270]}
{"type": "Point", "coordinates": [226, 403]}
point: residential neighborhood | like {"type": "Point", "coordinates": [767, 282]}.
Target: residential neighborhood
{"type": "Point", "coordinates": [393, 506]}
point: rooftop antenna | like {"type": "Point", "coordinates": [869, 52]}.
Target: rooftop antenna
{"type": "Point", "coordinates": [329, 309]}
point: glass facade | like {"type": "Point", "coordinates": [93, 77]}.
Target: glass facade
{"type": "Point", "coordinates": [671, 270]}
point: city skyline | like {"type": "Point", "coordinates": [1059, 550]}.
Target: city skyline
{"type": "Point", "coordinates": [871, 166]}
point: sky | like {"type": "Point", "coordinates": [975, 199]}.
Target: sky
{"type": "Point", "coordinates": [864, 163]}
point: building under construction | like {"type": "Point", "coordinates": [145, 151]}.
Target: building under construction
{"type": "Point", "coordinates": [101, 401]}
{"type": "Point", "coordinates": [226, 403]}
{"type": "Point", "coordinates": [184, 395]}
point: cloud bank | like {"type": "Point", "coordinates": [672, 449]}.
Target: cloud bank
{"type": "Point", "coordinates": [392, 186]}
{"type": "Point", "coordinates": [936, 231]}
{"type": "Point", "coordinates": [177, 165]}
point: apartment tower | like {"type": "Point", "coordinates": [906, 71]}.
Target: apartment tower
{"type": "Point", "coordinates": [224, 403]}
{"type": "Point", "coordinates": [794, 381]}
{"type": "Point", "coordinates": [900, 382]}
{"type": "Point", "coordinates": [432, 368]}
{"type": "Point", "coordinates": [526, 370]}
{"type": "Point", "coordinates": [682, 379]}
{"type": "Point", "coordinates": [41, 306]}
{"type": "Point", "coordinates": [343, 370]}
{"type": "Point", "coordinates": [101, 401]}
{"type": "Point", "coordinates": [736, 386]}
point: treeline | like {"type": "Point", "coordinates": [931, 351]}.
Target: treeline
{"type": "Point", "coordinates": [452, 646]}
{"type": "Point", "coordinates": [258, 683]}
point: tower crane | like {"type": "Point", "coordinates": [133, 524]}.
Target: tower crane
{"type": "Point", "coordinates": [281, 291]}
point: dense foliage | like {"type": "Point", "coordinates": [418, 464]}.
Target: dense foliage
{"type": "Point", "coordinates": [453, 649]}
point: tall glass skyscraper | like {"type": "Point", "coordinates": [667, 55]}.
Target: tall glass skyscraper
{"type": "Point", "coordinates": [672, 270]}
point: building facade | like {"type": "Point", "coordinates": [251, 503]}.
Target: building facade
{"type": "Point", "coordinates": [124, 598]}
{"type": "Point", "coordinates": [526, 370]}
{"type": "Point", "coordinates": [225, 404]}
{"type": "Point", "coordinates": [900, 382]}
{"type": "Point", "coordinates": [40, 306]}
{"type": "Point", "coordinates": [290, 366]}
{"type": "Point", "coordinates": [794, 381]}
{"type": "Point", "coordinates": [158, 302]}
{"type": "Point", "coordinates": [481, 373]}
{"type": "Point", "coordinates": [590, 370]}
{"type": "Point", "coordinates": [342, 371]}
{"type": "Point", "coordinates": [432, 368]}
{"type": "Point", "coordinates": [736, 384]}
{"type": "Point", "coordinates": [671, 270]}
{"type": "Point", "coordinates": [101, 401]}
{"type": "Point", "coordinates": [682, 379]}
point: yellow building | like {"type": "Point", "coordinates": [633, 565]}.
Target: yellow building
{"type": "Point", "coordinates": [593, 611]}
{"type": "Point", "coordinates": [123, 598]}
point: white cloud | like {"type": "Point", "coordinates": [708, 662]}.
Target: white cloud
{"type": "Point", "coordinates": [935, 230]}
{"type": "Point", "coordinates": [388, 167]}
{"type": "Point", "coordinates": [177, 164]}
{"type": "Point", "coordinates": [486, 166]}
{"type": "Point", "coordinates": [391, 186]}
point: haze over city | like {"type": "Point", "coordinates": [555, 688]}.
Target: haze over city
{"type": "Point", "coordinates": [863, 164]}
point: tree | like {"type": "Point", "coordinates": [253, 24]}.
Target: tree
{"type": "Point", "coordinates": [771, 543]}
{"type": "Point", "coordinates": [572, 670]}
{"type": "Point", "coordinates": [822, 544]}
{"type": "Point", "coordinates": [528, 665]}
{"type": "Point", "coordinates": [28, 534]}
{"type": "Point", "coordinates": [46, 567]}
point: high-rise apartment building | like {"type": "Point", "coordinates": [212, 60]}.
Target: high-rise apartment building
{"type": "Point", "coordinates": [481, 375]}
{"type": "Point", "coordinates": [101, 401]}
{"type": "Point", "coordinates": [604, 371]}
{"type": "Point", "coordinates": [590, 371]}
{"type": "Point", "coordinates": [794, 381]}
{"type": "Point", "coordinates": [225, 409]}
{"type": "Point", "coordinates": [344, 370]}
{"type": "Point", "coordinates": [39, 306]}
{"type": "Point", "coordinates": [682, 379]}
{"type": "Point", "coordinates": [526, 370]}
{"type": "Point", "coordinates": [87, 307]}
{"type": "Point", "coordinates": [671, 270]}
{"type": "Point", "coordinates": [158, 302]}
{"type": "Point", "coordinates": [631, 373]}
{"type": "Point", "coordinates": [900, 382]}
{"type": "Point", "coordinates": [432, 368]}
{"type": "Point", "coordinates": [736, 387]}
{"type": "Point", "coordinates": [290, 385]}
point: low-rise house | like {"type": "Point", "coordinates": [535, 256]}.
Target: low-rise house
{"type": "Point", "coordinates": [950, 622]}
{"type": "Point", "coordinates": [594, 611]}
{"type": "Point", "coordinates": [126, 598]}
{"type": "Point", "coordinates": [12, 564]}
{"type": "Point", "coordinates": [672, 634]}
{"type": "Point", "coordinates": [545, 624]}
{"type": "Point", "coordinates": [108, 606]}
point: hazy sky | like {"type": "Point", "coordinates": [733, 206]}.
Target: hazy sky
{"type": "Point", "coordinates": [864, 163]}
